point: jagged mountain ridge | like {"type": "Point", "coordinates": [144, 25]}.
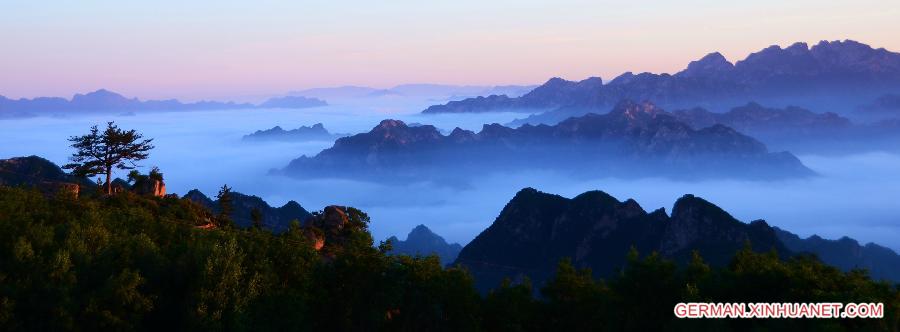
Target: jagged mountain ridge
{"type": "Point", "coordinates": [846, 253]}
{"type": "Point", "coordinates": [275, 218]}
{"type": "Point", "coordinates": [422, 241]}
{"type": "Point", "coordinates": [595, 230]}
{"type": "Point", "coordinates": [798, 129]}
{"type": "Point", "coordinates": [828, 70]}
{"type": "Point", "coordinates": [754, 118]}
{"type": "Point", "coordinates": [634, 139]}
{"type": "Point", "coordinates": [303, 133]}
{"type": "Point", "coordinates": [535, 230]}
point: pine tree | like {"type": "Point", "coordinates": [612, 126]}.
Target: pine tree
{"type": "Point", "coordinates": [256, 217]}
{"type": "Point", "coordinates": [225, 206]}
{"type": "Point", "coordinates": [97, 153]}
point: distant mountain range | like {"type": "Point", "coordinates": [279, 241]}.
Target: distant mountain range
{"type": "Point", "coordinates": [275, 218]}
{"type": "Point", "coordinates": [535, 230]}
{"type": "Point", "coordinates": [316, 132]}
{"type": "Point", "coordinates": [439, 91]}
{"type": "Point", "coordinates": [292, 102]}
{"type": "Point", "coordinates": [800, 130]}
{"type": "Point", "coordinates": [846, 253]}
{"type": "Point", "coordinates": [108, 101]}
{"type": "Point", "coordinates": [633, 140]}
{"type": "Point", "coordinates": [837, 74]}
{"type": "Point", "coordinates": [422, 241]}
{"type": "Point", "coordinates": [888, 104]}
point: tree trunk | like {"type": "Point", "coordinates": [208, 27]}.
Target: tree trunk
{"type": "Point", "coordinates": [108, 180]}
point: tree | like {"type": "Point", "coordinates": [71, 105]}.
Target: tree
{"type": "Point", "coordinates": [97, 153]}
{"type": "Point", "coordinates": [256, 217]}
{"type": "Point", "coordinates": [225, 205]}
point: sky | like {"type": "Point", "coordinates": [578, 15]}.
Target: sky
{"type": "Point", "coordinates": [215, 49]}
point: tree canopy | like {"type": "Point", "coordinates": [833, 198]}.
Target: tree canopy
{"type": "Point", "coordinates": [98, 152]}
{"type": "Point", "coordinates": [137, 262]}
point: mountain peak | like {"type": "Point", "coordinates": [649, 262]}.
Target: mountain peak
{"type": "Point", "coordinates": [797, 48]}
{"type": "Point", "coordinates": [101, 95]}
{"type": "Point", "coordinates": [390, 123]}
{"type": "Point", "coordinates": [422, 241]}
{"type": "Point", "coordinates": [688, 207]}
{"type": "Point", "coordinates": [421, 232]}
{"type": "Point", "coordinates": [711, 64]}
{"type": "Point", "coordinates": [556, 81]}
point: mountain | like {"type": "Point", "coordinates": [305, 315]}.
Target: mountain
{"type": "Point", "coordinates": [798, 129]}
{"type": "Point", "coordinates": [304, 133]}
{"type": "Point", "coordinates": [107, 101]}
{"type": "Point", "coordinates": [632, 140]}
{"type": "Point", "coordinates": [595, 230]}
{"type": "Point", "coordinates": [886, 104]}
{"type": "Point", "coordinates": [846, 254]}
{"type": "Point", "coordinates": [554, 93]}
{"type": "Point", "coordinates": [33, 171]}
{"type": "Point", "coordinates": [277, 219]}
{"type": "Point", "coordinates": [40, 173]}
{"type": "Point", "coordinates": [836, 73]}
{"type": "Point", "coordinates": [421, 241]}
{"type": "Point", "coordinates": [436, 91]}
{"type": "Point", "coordinates": [341, 92]}
{"type": "Point", "coordinates": [535, 230]}
{"type": "Point", "coordinates": [292, 102]}
{"type": "Point", "coordinates": [755, 119]}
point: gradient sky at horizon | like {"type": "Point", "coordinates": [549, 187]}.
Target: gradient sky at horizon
{"type": "Point", "coordinates": [237, 50]}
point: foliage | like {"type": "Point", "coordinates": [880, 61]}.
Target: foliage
{"type": "Point", "coordinates": [99, 152]}
{"type": "Point", "coordinates": [256, 217]}
{"type": "Point", "coordinates": [131, 262]}
{"type": "Point", "coordinates": [226, 207]}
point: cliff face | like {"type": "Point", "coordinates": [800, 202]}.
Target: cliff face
{"type": "Point", "coordinates": [535, 230]}
{"type": "Point", "coordinates": [422, 241]}
{"type": "Point", "coordinates": [634, 139]}
{"type": "Point", "coordinates": [152, 187]}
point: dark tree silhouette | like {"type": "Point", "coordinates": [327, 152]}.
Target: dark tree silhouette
{"type": "Point", "coordinates": [257, 217]}
{"type": "Point", "coordinates": [99, 152]}
{"type": "Point", "coordinates": [225, 206]}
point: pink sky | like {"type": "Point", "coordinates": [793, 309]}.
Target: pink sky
{"type": "Point", "coordinates": [207, 49]}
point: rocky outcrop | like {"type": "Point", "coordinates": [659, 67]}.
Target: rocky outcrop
{"type": "Point", "coordinates": [535, 230]}
{"type": "Point", "coordinates": [326, 230]}
{"type": "Point", "coordinates": [421, 241]}
{"type": "Point", "coordinates": [152, 187]}
{"type": "Point", "coordinates": [632, 140]}
{"type": "Point", "coordinates": [64, 189]}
